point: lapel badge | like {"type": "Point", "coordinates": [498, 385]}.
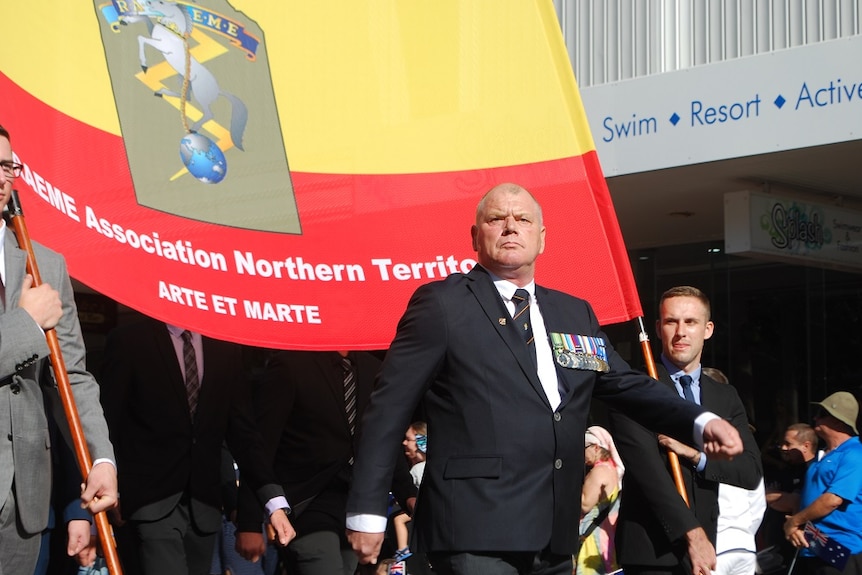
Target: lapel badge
{"type": "Point", "coordinates": [501, 321]}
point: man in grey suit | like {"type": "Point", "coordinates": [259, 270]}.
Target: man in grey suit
{"type": "Point", "coordinates": [27, 389]}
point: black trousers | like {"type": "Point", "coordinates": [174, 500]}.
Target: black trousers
{"type": "Point", "coordinates": [516, 563]}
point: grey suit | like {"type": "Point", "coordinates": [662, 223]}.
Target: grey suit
{"type": "Point", "coordinates": [24, 440]}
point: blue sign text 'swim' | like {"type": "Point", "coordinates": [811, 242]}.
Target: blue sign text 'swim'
{"type": "Point", "coordinates": [614, 130]}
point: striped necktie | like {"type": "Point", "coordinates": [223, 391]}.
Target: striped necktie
{"type": "Point", "coordinates": [349, 393]}
{"type": "Point", "coordinates": [522, 320]}
{"type": "Point", "coordinates": [349, 396]}
{"type": "Point", "coordinates": [193, 382]}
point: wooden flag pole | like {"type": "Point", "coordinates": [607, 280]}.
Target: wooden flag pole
{"type": "Point", "coordinates": [675, 469]}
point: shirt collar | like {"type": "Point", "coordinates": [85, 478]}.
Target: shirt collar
{"type": "Point", "coordinates": [177, 332]}
{"type": "Point", "coordinates": [507, 288]}
{"type": "Point", "coordinates": [676, 373]}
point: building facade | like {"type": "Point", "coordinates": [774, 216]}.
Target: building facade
{"type": "Point", "coordinates": [696, 103]}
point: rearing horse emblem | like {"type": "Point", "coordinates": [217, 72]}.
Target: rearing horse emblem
{"type": "Point", "coordinates": [208, 64]}
{"type": "Point", "coordinates": [171, 31]}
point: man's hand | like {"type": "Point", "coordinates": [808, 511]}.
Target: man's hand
{"type": "Point", "coordinates": [99, 493]}
{"type": "Point", "coordinates": [365, 545]}
{"type": "Point", "coordinates": [721, 440]}
{"type": "Point", "coordinates": [250, 545]}
{"type": "Point", "coordinates": [681, 449]}
{"type": "Point", "coordinates": [794, 531]}
{"type": "Point", "coordinates": [794, 526]}
{"type": "Point", "coordinates": [283, 531]}
{"type": "Point", "coordinates": [700, 551]}
{"type": "Point", "coordinates": [82, 544]}
{"type": "Point", "coordinates": [42, 303]}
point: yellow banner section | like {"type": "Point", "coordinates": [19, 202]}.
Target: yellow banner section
{"type": "Point", "coordinates": [368, 87]}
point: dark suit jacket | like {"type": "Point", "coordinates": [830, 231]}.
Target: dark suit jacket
{"type": "Point", "coordinates": [653, 517]}
{"type": "Point", "coordinates": [504, 470]}
{"type": "Point", "coordinates": [161, 454]}
{"type": "Point", "coordinates": [299, 405]}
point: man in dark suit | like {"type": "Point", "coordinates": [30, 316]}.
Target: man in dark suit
{"type": "Point", "coordinates": [506, 413]}
{"type": "Point", "coordinates": [169, 441]}
{"type": "Point", "coordinates": [309, 420]}
{"type": "Point", "coordinates": [656, 531]}
{"type": "Point", "coordinates": [26, 386]}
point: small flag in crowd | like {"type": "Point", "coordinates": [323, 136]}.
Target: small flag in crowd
{"type": "Point", "coordinates": [825, 548]}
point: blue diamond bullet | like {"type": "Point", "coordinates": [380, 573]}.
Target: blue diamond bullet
{"type": "Point", "coordinates": [674, 119]}
{"type": "Point", "coordinates": [779, 101]}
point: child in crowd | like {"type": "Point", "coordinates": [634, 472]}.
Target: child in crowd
{"type": "Point", "coordinates": [415, 444]}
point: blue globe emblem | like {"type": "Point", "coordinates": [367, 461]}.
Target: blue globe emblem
{"type": "Point", "coordinates": [202, 158]}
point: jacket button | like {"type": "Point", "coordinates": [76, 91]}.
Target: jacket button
{"type": "Point", "coordinates": [18, 367]}
{"type": "Point", "coordinates": [35, 356]}
{"type": "Point", "coordinates": [557, 416]}
{"type": "Point", "coordinates": [9, 437]}
{"type": "Point", "coordinates": [15, 388]}
{"type": "Point", "coordinates": [558, 464]}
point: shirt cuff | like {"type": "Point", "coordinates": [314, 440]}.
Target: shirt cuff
{"type": "Point", "coordinates": [366, 523]}
{"type": "Point", "coordinates": [701, 463]}
{"type": "Point", "coordinates": [700, 425]}
{"type": "Point", "coordinates": [277, 503]}
{"type": "Point", "coordinates": [104, 460]}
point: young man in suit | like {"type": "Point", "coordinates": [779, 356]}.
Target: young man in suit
{"type": "Point", "coordinates": [656, 531]}
{"type": "Point", "coordinates": [171, 398]}
{"type": "Point", "coordinates": [506, 395]}
{"type": "Point", "coordinates": [309, 406]}
{"type": "Point", "coordinates": [25, 459]}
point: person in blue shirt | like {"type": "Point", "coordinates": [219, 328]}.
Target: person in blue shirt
{"type": "Point", "coordinates": [831, 502]}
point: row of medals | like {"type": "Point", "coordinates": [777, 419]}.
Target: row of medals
{"type": "Point", "coordinates": [571, 360]}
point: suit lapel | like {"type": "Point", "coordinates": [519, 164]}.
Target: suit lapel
{"type": "Point", "coordinates": [16, 263]}
{"type": "Point", "coordinates": [495, 310]}
{"type": "Point", "coordinates": [664, 376]}
{"type": "Point", "coordinates": [707, 401]}
{"type": "Point", "coordinates": [165, 346]}
{"type": "Point", "coordinates": [213, 364]}
{"type": "Point", "coordinates": [365, 377]}
{"type": "Point", "coordinates": [334, 382]}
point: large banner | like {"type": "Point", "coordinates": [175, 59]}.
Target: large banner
{"type": "Point", "coordinates": [286, 173]}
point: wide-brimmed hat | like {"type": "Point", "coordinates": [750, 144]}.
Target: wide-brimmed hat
{"type": "Point", "coordinates": [842, 406]}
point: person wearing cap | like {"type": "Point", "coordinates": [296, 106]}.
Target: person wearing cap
{"type": "Point", "coordinates": [832, 493]}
